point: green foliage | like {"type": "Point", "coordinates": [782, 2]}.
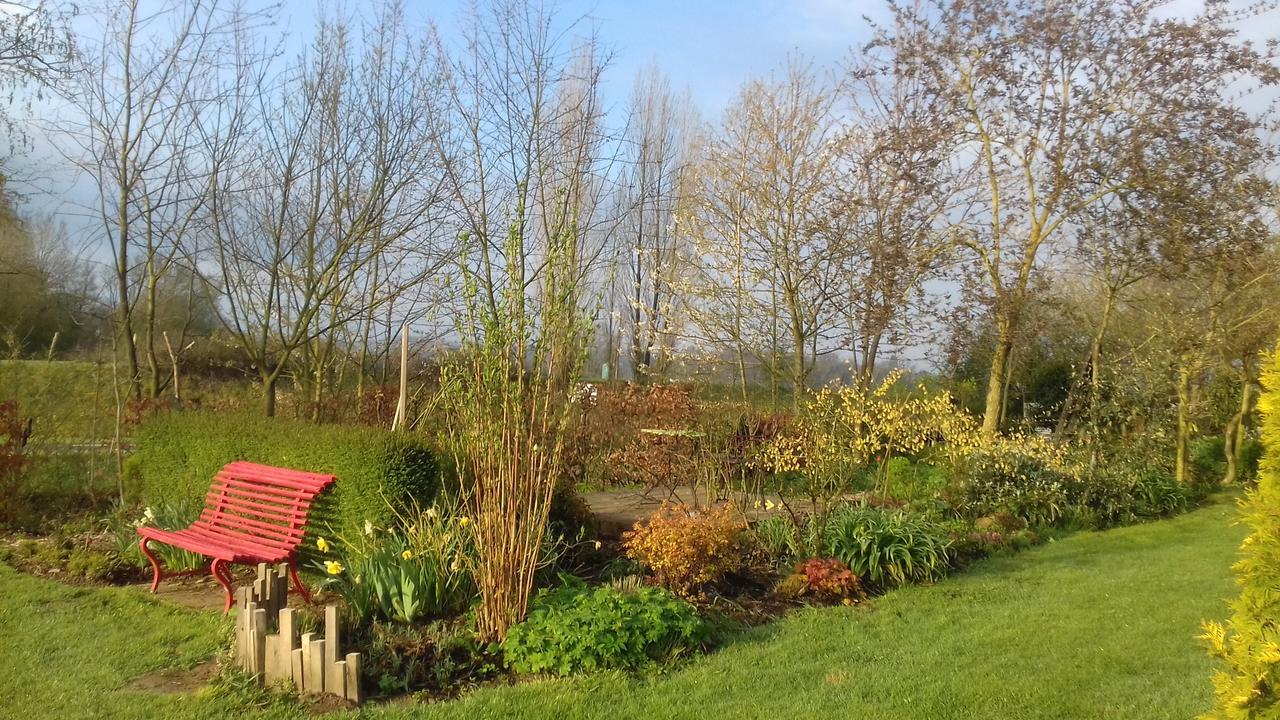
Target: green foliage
{"type": "Point", "coordinates": [887, 547]}
{"type": "Point", "coordinates": [1018, 483]}
{"type": "Point", "coordinates": [418, 569]}
{"type": "Point", "coordinates": [576, 629]}
{"type": "Point", "coordinates": [67, 401]}
{"type": "Point", "coordinates": [170, 515]}
{"type": "Point", "coordinates": [1128, 485]}
{"type": "Point", "coordinates": [1120, 492]}
{"type": "Point", "coordinates": [1208, 459]}
{"type": "Point", "coordinates": [914, 482]}
{"type": "Point", "coordinates": [379, 473]}
{"type": "Point", "coordinates": [435, 657]}
{"type": "Point", "coordinates": [1250, 458]}
{"type": "Point", "coordinates": [95, 565]}
{"type": "Point", "coordinates": [1248, 645]}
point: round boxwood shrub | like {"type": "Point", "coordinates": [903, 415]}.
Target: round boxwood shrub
{"type": "Point", "coordinates": [176, 455]}
{"type": "Point", "coordinates": [578, 629]}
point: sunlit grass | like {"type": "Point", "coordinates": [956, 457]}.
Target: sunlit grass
{"type": "Point", "coordinates": [1099, 625]}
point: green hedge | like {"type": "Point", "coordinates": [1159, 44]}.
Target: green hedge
{"type": "Point", "coordinates": [177, 454]}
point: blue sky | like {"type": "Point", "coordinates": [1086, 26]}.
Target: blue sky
{"type": "Point", "coordinates": [709, 46]}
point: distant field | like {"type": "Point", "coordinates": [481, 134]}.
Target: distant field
{"type": "Point", "coordinates": [71, 401]}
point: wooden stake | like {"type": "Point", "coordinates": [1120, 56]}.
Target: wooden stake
{"type": "Point", "coordinates": [302, 659]}
{"type": "Point", "coordinates": [296, 672]}
{"type": "Point", "coordinates": [352, 668]}
{"type": "Point", "coordinates": [258, 622]}
{"type": "Point", "coordinates": [314, 666]}
{"type": "Point", "coordinates": [402, 405]}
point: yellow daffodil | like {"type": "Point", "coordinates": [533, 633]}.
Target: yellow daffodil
{"type": "Point", "coordinates": [406, 554]}
{"type": "Point", "coordinates": [322, 545]}
{"type": "Point", "coordinates": [333, 568]}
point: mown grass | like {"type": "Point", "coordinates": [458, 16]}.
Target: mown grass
{"type": "Point", "coordinates": [1099, 625]}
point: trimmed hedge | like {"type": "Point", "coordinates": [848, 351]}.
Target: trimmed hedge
{"type": "Point", "coordinates": [379, 473]}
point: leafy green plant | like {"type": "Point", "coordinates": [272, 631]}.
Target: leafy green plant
{"type": "Point", "coordinates": [416, 570]}
{"type": "Point", "coordinates": [1014, 482]}
{"type": "Point", "coordinates": [96, 565]}
{"type": "Point", "coordinates": [168, 515]}
{"type": "Point", "coordinates": [1208, 460]}
{"type": "Point", "coordinates": [575, 629]}
{"type": "Point", "coordinates": [437, 657]}
{"type": "Point", "coordinates": [887, 547]}
{"type": "Point", "coordinates": [1119, 493]}
{"type": "Point", "coordinates": [778, 537]}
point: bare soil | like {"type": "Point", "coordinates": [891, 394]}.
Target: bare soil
{"type": "Point", "coordinates": [175, 681]}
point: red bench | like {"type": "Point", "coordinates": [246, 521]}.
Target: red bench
{"type": "Point", "coordinates": [252, 514]}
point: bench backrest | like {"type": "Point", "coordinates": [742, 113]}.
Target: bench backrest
{"type": "Point", "coordinates": [268, 503]}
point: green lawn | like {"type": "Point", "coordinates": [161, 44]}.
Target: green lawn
{"type": "Point", "coordinates": [1100, 625]}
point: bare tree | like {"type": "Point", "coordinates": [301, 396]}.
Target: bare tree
{"type": "Point", "coordinates": [138, 91]}
{"type": "Point", "coordinates": [1055, 100]}
{"type": "Point", "coordinates": [893, 208]}
{"type": "Point", "coordinates": [37, 48]}
{"type": "Point", "coordinates": [650, 248]}
{"type": "Point", "coordinates": [317, 174]}
{"type": "Point", "coordinates": [524, 147]}
{"type": "Point", "coordinates": [766, 269]}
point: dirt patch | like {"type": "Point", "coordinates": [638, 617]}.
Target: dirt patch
{"type": "Point", "coordinates": [175, 681]}
{"type": "Point", "coordinates": [197, 593]}
{"type": "Point", "coordinates": [197, 590]}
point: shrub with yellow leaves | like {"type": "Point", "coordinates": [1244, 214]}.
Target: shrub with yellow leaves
{"type": "Point", "coordinates": [1249, 643]}
{"type": "Point", "coordinates": [840, 431]}
{"type": "Point", "coordinates": [686, 549]}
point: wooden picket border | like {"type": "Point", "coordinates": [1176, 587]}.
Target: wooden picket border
{"type": "Point", "coordinates": [309, 662]}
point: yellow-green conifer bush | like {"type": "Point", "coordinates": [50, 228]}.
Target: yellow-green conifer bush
{"type": "Point", "coordinates": [1249, 643]}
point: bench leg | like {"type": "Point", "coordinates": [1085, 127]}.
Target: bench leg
{"type": "Point", "coordinates": [155, 564]}
{"type": "Point", "coordinates": [219, 570]}
{"type": "Point", "coordinates": [297, 583]}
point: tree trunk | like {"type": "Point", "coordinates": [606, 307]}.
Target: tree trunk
{"type": "Point", "coordinates": [997, 378]}
{"type": "Point", "coordinates": [269, 395]}
{"type": "Point", "coordinates": [1233, 445]}
{"type": "Point", "coordinates": [124, 312]}
{"type": "Point", "coordinates": [1095, 364]}
{"type": "Point", "coordinates": [153, 362]}
{"type": "Point", "coordinates": [1182, 470]}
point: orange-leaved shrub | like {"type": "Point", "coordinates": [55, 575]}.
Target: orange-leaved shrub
{"type": "Point", "coordinates": [685, 549]}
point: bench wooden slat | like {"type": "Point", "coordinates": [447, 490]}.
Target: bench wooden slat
{"type": "Point", "coordinates": [242, 543]}
{"type": "Point", "coordinates": [266, 532]}
{"type": "Point", "coordinates": [294, 517]}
